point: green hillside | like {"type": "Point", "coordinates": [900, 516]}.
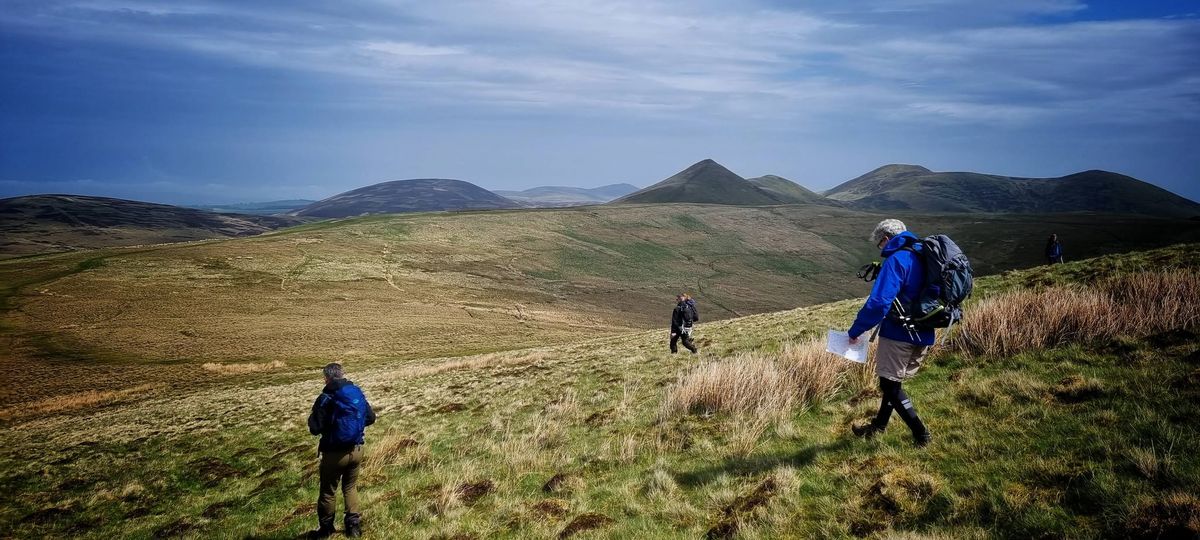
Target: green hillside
{"type": "Point", "coordinates": [472, 282]}
{"type": "Point", "coordinates": [914, 188]}
{"type": "Point", "coordinates": [705, 182]}
{"type": "Point", "coordinates": [786, 190]}
{"type": "Point", "coordinates": [1091, 439]}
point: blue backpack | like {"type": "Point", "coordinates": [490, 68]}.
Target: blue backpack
{"type": "Point", "coordinates": [349, 416]}
{"type": "Point", "coordinates": [949, 281]}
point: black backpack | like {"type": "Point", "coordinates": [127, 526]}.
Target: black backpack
{"type": "Point", "coordinates": [948, 283]}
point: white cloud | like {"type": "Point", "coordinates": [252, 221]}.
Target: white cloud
{"type": "Point", "coordinates": [721, 60]}
{"type": "Point", "coordinates": [400, 48]}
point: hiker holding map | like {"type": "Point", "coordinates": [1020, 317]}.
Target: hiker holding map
{"type": "Point", "coordinates": [902, 347]}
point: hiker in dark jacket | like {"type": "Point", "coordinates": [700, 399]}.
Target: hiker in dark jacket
{"type": "Point", "coordinates": [900, 351]}
{"type": "Point", "coordinates": [339, 416]}
{"type": "Point", "coordinates": [683, 317]}
{"type": "Point", "coordinates": [1054, 252]}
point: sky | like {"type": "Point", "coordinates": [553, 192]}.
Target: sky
{"type": "Point", "coordinates": [216, 101]}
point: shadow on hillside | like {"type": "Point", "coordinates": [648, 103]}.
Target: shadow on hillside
{"type": "Point", "coordinates": [759, 463]}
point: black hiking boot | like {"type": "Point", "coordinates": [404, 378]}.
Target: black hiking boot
{"type": "Point", "coordinates": [321, 533]}
{"type": "Point", "coordinates": [353, 524]}
{"type": "Point", "coordinates": [324, 530]}
{"type": "Point", "coordinates": [868, 430]}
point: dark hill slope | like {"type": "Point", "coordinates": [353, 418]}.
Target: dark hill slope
{"type": "Point", "coordinates": [417, 195]}
{"type": "Point", "coordinates": [48, 223]}
{"type": "Point", "coordinates": [909, 187]}
{"type": "Point", "coordinates": [705, 182]}
{"type": "Point", "coordinates": [786, 190]}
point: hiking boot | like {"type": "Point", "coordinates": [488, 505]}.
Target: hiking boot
{"type": "Point", "coordinates": [868, 430]}
{"type": "Point", "coordinates": [322, 532]}
{"type": "Point", "coordinates": [922, 440]}
{"type": "Point", "coordinates": [353, 524]}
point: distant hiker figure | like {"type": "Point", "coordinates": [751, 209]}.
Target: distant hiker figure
{"type": "Point", "coordinates": [1054, 253]}
{"type": "Point", "coordinates": [683, 317]}
{"type": "Point", "coordinates": [901, 348]}
{"type": "Point", "coordinates": [339, 416]}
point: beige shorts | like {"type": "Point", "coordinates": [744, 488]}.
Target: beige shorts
{"type": "Point", "coordinates": [897, 360]}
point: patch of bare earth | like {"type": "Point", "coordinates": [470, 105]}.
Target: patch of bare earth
{"type": "Point", "coordinates": [742, 507]}
{"type": "Point", "coordinates": [585, 522]}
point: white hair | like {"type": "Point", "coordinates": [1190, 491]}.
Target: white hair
{"type": "Point", "coordinates": [334, 371]}
{"type": "Point", "coordinates": [887, 227]}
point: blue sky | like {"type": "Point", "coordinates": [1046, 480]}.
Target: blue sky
{"type": "Point", "coordinates": [222, 101]}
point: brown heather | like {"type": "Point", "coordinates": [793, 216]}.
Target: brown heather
{"type": "Point", "coordinates": [1135, 305]}
{"type": "Point", "coordinates": [764, 384]}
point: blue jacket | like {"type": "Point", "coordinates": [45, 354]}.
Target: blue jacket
{"type": "Point", "coordinates": [901, 275]}
{"type": "Point", "coordinates": [1054, 249]}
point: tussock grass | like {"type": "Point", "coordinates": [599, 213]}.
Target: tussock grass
{"type": "Point", "coordinates": [1135, 305]}
{"type": "Point", "coordinates": [758, 384]}
{"type": "Point", "coordinates": [243, 368]}
{"type": "Point", "coordinates": [79, 400]}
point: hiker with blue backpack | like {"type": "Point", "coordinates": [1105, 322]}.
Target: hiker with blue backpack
{"type": "Point", "coordinates": [339, 416]}
{"type": "Point", "coordinates": [1054, 250]}
{"type": "Point", "coordinates": [918, 287]}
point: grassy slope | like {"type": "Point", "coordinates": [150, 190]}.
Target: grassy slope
{"type": "Point", "coordinates": [786, 190]}
{"type": "Point", "coordinates": [384, 288]}
{"type": "Point", "coordinates": [517, 279]}
{"type": "Point", "coordinates": [1013, 457]}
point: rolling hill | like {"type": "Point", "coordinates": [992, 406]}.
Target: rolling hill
{"type": "Point", "coordinates": [705, 182]}
{"type": "Point", "coordinates": [915, 188]}
{"type": "Point", "coordinates": [614, 437]}
{"type": "Point", "coordinates": [416, 195]}
{"type": "Point", "coordinates": [787, 190]}
{"type": "Point", "coordinates": [391, 287]}
{"type": "Point", "coordinates": [555, 196]}
{"type": "Point", "coordinates": [49, 223]}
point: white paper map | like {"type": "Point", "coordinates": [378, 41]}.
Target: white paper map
{"type": "Point", "coordinates": [839, 344]}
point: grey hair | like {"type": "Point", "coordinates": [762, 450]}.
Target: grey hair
{"type": "Point", "coordinates": [334, 371]}
{"type": "Point", "coordinates": [887, 227]}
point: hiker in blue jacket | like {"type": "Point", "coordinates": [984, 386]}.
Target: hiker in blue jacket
{"type": "Point", "coordinates": [1054, 252]}
{"type": "Point", "coordinates": [901, 350]}
{"type": "Point", "coordinates": [339, 416]}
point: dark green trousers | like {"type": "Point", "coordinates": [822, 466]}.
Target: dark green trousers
{"type": "Point", "coordinates": [338, 468]}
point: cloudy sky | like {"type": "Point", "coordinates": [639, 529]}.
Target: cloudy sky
{"type": "Point", "coordinates": [227, 100]}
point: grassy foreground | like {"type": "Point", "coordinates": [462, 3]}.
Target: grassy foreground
{"type": "Point", "coordinates": [1085, 439]}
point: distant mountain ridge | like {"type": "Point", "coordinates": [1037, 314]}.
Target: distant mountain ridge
{"type": "Point", "coordinates": [54, 222]}
{"type": "Point", "coordinates": [261, 208]}
{"type": "Point", "coordinates": [706, 182]}
{"type": "Point", "coordinates": [398, 196]}
{"type": "Point", "coordinates": [915, 188]}
{"type": "Point", "coordinates": [551, 196]}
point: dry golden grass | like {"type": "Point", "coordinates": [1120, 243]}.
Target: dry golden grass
{"type": "Point", "coordinates": [760, 384]}
{"type": "Point", "coordinates": [394, 449]}
{"type": "Point", "coordinates": [78, 400]}
{"type": "Point", "coordinates": [1135, 305]}
{"type": "Point", "coordinates": [243, 368]}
